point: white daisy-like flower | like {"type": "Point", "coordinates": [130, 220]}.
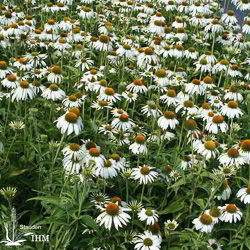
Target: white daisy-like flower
{"type": "Point", "coordinates": [94, 156]}
{"type": "Point", "coordinates": [109, 95]}
{"type": "Point", "coordinates": [108, 170]}
{"type": "Point", "coordinates": [151, 109]}
{"type": "Point", "coordinates": [207, 149]}
{"type": "Point", "coordinates": [139, 146]}
{"type": "Point", "coordinates": [53, 92]}
{"type": "Point", "coordinates": [187, 107]}
{"type": "Point", "coordinates": [230, 213]}
{"type": "Point", "coordinates": [231, 110]}
{"type": "Point", "coordinates": [222, 65]}
{"type": "Point", "coordinates": [244, 195]}
{"type": "Point", "coordinates": [232, 157]}
{"type": "Point", "coordinates": [112, 213]}
{"type": "Point", "coordinates": [148, 215]}
{"type": "Point", "coordinates": [71, 122]}
{"type": "Point", "coordinates": [137, 86]}
{"type": "Point", "coordinates": [55, 76]}
{"type": "Point", "coordinates": [170, 98]}
{"type": "Point", "coordinates": [11, 81]}
{"type": "Point", "coordinates": [144, 174]}
{"type": "Point", "coordinates": [215, 213]}
{"type": "Point", "coordinates": [103, 43]}
{"type": "Point", "coordinates": [217, 123]}
{"type": "Point", "coordinates": [168, 120]}
{"type": "Point", "coordinates": [129, 96]}
{"type": "Point", "coordinates": [233, 94]}
{"type": "Point", "coordinates": [147, 57]}
{"type": "Point", "coordinates": [194, 87]}
{"type": "Point", "coordinates": [123, 122]}
{"type": "Point", "coordinates": [23, 92]}
{"type": "Point", "coordinates": [147, 241]}
{"type": "Point", "coordinates": [204, 223]}
{"type": "Point", "coordinates": [73, 151]}
{"type": "Point", "coordinates": [214, 245]}
{"type": "Point", "coordinates": [170, 225]}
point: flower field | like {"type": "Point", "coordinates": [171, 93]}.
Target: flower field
{"type": "Point", "coordinates": [124, 124]}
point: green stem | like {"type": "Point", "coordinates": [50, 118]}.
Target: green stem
{"type": "Point", "coordinates": [127, 190]}
{"type": "Point", "coordinates": [5, 161]}
{"type": "Point", "coordinates": [142, 192]}
{"type": "Point", "coordinates": [57, 152]}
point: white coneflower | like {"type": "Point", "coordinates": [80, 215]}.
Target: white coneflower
{"type": "Point", "coordinates": [17, 125]}
{"type": "Point", "coordinates": [151, 109]}
{"type": "Point", "coordinates": [71, 122]}
{"type": "Point", "coordinates": [194, 87]}
{"type": "Point", "coordinates": [211, 59]}
{"type": "Point", "coordinates": [207, 83]}
{"type": "Point", "coordinates": [225, 171]}
{"type": "Point", "coordinates": [231, 110]}
{"type": "Point", "coordinates": [246, 27]}
{"type": "Point", "coordinates": [4, 70]}
{"type": "Point", "coordinates": [217, 123]}
{"type": "Point", "coordinates": [11, 81]}
{"type": "Point", "coordinates": [225, 192]}
{"type": "Point", "coordinates": [139, 146]}
{"type": "Point", "coordinates": [187, 107]}
{"type": "Point", "coordinates": [233, 93]}
{"type": "Point", "coordinates": [232, 157]}
{"type": "Point", "coordinates": [123, 122]}
{"type": "Point", "coordinates": [137, 86]}
{"type": "Point", "coordinates": [170, 98]}
{"type": "Point", "coordinates": [112, 213]}
{"type": "Point", "coordinates": [72, 101]}
{"type": "Point", "coordinates": [23, 92]}
{"type": "Point", "coordinates": [148, 215]}
{"type": "Point", "coordinates": [191, 53]}
{"type": "Point", "coordinates": [215, 213]}
{"type": "Point", "coordinates": [204, 223]}
{"type": "Point", "coordinates": [99, 198]}
{"type": "Point", "coordinates": [84, 63]}
{"type": "Point", "coordinates": [168, 120]}
{"type": "Point", "coordinates": [214, 27]}
{"type": "Point", "coordinates": [103, 43]}
{"type": "Point", "coordinates": [73, 151]}
{"type": "Point", "coordinates": [86, 12]}
{"type": "Point", "coordinates": [126, 51]}
{"type": "Point", "coordinates": [245, 149]}
{"type": "Point", "coordinates": [109, 95]}
{"type": "Point", "coordinates": [244, 195]}
{"type": "Point", "coordinates": [146, 57]}
{"type": "Point", "coordinates": [222, 65]}
{"type": "Point", "coordinates": [144, 174]}
{"type": "Point", "coordinates": [214, 245]}
{"type": "Point", "coordinates": [129, 96]}
{"type": "Point", "coordinates": [100, 104]}
{"type": "Point", "coordinates": [229, 17]}
{"type": "Point", "coordinates": [147, 241]}
{"type": "Point", "coordinates": [161, 77]}
{"type": "Point", "coordinates": [156, 27]}
{"type": "Point", "coordinates": [207, 149]}
{"type": "Point", "coordinates": [230, 213]}
{"type": "Point", "coordinates": [108, 170]}
{"type": "Point", "coordinates": [203, 66]}
{"type": "Point", "coordinates": [53, 92]}
{"type": "Point", "coordinates": [23, 64]}
{"type": "Point", "coordinates": [234, 71]}
{"type": "Point", "coordinates": [55, 76]}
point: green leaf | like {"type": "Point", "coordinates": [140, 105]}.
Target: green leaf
{"type": "Point", "coordinates": [200, 203]}
{"type": "Point", "coordinates": [49, 199]}
{"type": "Point", "coordinates": [179, 183]}
{"type": "Point", "coordinates": [89, 221]}
{"type": "Point", "coordinates": [173, 207]}
{"type": "Point", "coordinates": [243, 179]}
